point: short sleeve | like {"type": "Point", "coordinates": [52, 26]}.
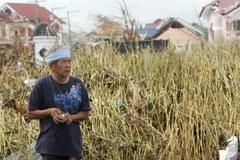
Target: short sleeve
{"type": "Point", "coordinates": [36, 97]}
{"type": "Point", "coordinates": [85, 106]}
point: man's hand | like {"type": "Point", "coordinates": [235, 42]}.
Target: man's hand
{"type": "Point", "coordinates": [56, 115]}
{"type": "Point", "coordinates": [68, 118]}
{"type": "Point", "coordinates": [26, 117]}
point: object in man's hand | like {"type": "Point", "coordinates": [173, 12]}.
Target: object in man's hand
{"type": "Point", "coordinates": [62, 115]}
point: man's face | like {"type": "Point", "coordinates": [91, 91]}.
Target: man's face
{"type": "Point", "coordinates": [62, 67]}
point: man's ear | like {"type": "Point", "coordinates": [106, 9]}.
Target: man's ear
{"type": "Point", "coordinates": [51, 66]}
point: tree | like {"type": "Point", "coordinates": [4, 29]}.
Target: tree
{"type": "Point", "coordinates": [126, 21]}
{"type": "Point", "coordinates": [129, 23]}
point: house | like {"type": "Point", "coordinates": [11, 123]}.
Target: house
{"type": "Point", "coordinates": [149, 30]}
{"type": "Point", "coordinates": [10, 29]}
{"type": "Point", "coordinates": [5, 42]}
{"type": "Point", "coordinates": [5, 49]}
{"type": "Point", "coordinates": [180, 33]}
{"type": "Point", "coordinates": [20, 19]}
{"type": "Point", "coordinates": [107, 31]}
{"type": "Point", "coordinates": [223, 17]}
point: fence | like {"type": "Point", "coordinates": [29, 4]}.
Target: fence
{"type": "Point", "coordinates": [127, 47]}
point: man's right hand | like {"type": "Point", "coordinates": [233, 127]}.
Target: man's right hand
{"type": "Point", "coordinates": [55, 114]}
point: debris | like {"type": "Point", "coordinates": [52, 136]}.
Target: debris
{"type": "Point", "coordinates": [25, 155]}
{"type": "Point", "coordinates": [231, 152]}
{"type": "Point", "coordinates": [119, 103]}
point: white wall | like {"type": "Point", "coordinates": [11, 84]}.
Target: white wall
{"type": "Point", "coordinates": [222, 25]}
{"type": "Point", "coordinates": [40, 43]}
{"type": "Point", "coordinates": [216, 21]}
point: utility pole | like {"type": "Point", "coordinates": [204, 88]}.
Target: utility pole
{"type": "Point", "coordinates": [53, 9]}
{"type": "Point", "coordinates": [37, 11]}
{"type": "Point", "coordinates": [69, 26]}
{"type": "Point", "coordinates": [54, 25]}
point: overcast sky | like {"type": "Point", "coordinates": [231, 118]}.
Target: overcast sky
{"type": "Point", "coordinates": [144, 11]}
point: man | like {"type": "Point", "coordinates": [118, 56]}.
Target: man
{"type": "Point", "coordinates": [60, 102]}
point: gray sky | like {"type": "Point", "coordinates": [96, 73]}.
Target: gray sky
{"type": "Point", "coordinates": [145, 11]}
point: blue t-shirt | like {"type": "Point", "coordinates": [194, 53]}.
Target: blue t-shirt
{"type": "Point", "coordinates": [72, 97]}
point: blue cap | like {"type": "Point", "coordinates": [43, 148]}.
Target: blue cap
{"type": "Point", "coordinates": [64, 52]}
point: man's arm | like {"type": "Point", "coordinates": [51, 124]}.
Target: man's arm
{"type": "Point", "coordinates": [80, 116]}
{"type": "Point", "coordinates": [39, 114]}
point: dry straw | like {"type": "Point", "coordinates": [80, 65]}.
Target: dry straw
{"type": "Point", "coordinates": [145, 105]}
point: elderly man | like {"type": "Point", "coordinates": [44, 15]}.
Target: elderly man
{"type": "Point", "coordinates": [60, 102]}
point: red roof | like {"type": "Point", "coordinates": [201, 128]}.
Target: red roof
{"type": "Point", "coordinates": [30, 10]}
{"type": "Point", "coordinates": [153, 25]}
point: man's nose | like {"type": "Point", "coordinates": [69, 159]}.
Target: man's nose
{"type": "Point", "coordinates": [68, 63]}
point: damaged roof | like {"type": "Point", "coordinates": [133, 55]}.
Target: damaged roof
{"type": "Point", "coordinates": [108, 29]}
{"type": "Point", "coordinates": [43, 30]}
{"type": "Point", "coordinates": [177, 23]}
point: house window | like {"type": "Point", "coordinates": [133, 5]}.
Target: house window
{"type": "Point", "coordinates": [236, 25]}
{"type": "Point", "coordinates": [8, 11]}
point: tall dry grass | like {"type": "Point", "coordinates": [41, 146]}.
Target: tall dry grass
{"type": "Point", "coordinates": [144, 105]}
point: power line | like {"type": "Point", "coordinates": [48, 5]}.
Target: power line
{"type": "Point", "coordinates": [53, 9]}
